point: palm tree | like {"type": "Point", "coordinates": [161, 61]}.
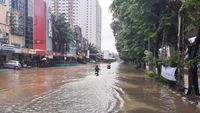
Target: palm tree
{"type": "Point", "coordinates": [63, 34]}
{"type": "Point", "coordinates": [93, 51]}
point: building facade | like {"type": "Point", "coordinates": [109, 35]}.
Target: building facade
{"type": "Point", "coordinates": [4, 22]}
{"type": "Point", "coordinates": [70, 8]}
{"type": "Point", "coordinates": [4, 31]}
{"type": "Point", "coordinates": [29, 17]}
{"type": "Point", "coordinates": [49, 31]}
{"type": "Point", "coordinates": [99, 26]}
{"type": "Point", "coordinates": [12, 29]}
{"type": "Point", "coordinates": [40, 26]}
{"type": "Point", "coordinates": [84, 13]}
{"type": "Point", "coordinates": [17, 23]}
{"type": "Point", "coordinates": [25, 30]}
{"type": "Point", "coordinates": [91, 21]}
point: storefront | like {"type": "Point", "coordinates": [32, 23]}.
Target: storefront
{"type": "Point", "coordinates": [6, 51]}
{"type": "Point", "coordinates": [28, 57]}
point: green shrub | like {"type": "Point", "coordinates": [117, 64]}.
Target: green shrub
{"type": "Point", "coordinates": [155, 77]}
{"type": "Point", "coordinates": [150, 74]}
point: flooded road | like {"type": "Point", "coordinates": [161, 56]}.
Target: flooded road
{"type": "Point", "coordinates": [78, 90]}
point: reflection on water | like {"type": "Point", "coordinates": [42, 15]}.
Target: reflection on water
{"type": "Point", "coordinates": [168, 103]}
{"type": "Point", "coordinates": [143, 95]}
{"type": "Point", "coordinates": [26, 83]}
{"type": "Point", "coordinates": [78, 90]}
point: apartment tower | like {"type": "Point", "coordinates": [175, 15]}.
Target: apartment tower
{"type": "Point", "coordinates": [84, 13]}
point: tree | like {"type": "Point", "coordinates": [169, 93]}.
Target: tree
{"type": "Point", "coordinates": [190, 12]}
{"type": "Point", "coordinates": [141, 25]}
{"type": "Point", "coordinates": [93, 51]}
{"type": "Point", "coordinates": [63, 34]}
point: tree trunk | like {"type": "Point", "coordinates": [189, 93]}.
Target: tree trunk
{"type": "Point", "coordinates": [192, 72]}
{"type": "Point", "coordinates": [157, 56]}
{"type": "Point", "coordinates": [180, 67]}
{"type": "Point", "coordinates": [144, 65]}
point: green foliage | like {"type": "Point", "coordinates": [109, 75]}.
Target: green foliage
{"type": "Point", "coordinates": [141, 25]}
{"type": "Point", "coordinates": [148, 56]}
{"type": "Point", "coordinates": [93, 50]}
{"type": "Point", "coordinates": [192, 62]}
{"type": "Point", "coordinates": [189, 63]}
{"type": "Point", "coordinates": [172, 61]}
{"type": "Point", "coordinates": [150, 74]}
{"type": "Point", "coordinates": [63, 34]}
{"type": "Point", "coordinates": [155, 77]}
{"type": "Point", "coordinates": [159, 61]}
{"type": "Point", "coordinates": [190, 10]}
{"type": "Point", "coordinates": [139, 22]}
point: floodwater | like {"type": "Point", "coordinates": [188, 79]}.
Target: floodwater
{"type": "Point", "coordinates": [78, 90]}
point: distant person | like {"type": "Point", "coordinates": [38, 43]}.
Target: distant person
{"type": "Point", "coordinates": [97, 70]}
{"type": "Point", "coordinates": [109, 66]}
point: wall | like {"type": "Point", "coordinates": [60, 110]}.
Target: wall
{"type": "Point", "coordinates": [40, 24]}
{"type": "Point", "coordinates": [49, 27]}
{"type": "Point", "coordinates": [4, 22]}
{"type": "Point", "coordinates": [18, 41]}
{"type": "Point", "coordinates": [29, 23]}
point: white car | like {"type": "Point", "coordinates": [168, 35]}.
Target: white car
{"type": "Point", "coordinates": [13, 64]}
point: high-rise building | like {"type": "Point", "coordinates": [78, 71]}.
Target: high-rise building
{"type": "Point", "coordinates": [29, 14]}
{"type": "Point", "coordinates": [12, 28]}
{"type": "Point", "coordinates": [17, 20]}
{"type": "Point", "coordinates": [49, 26]}
{"type": "Point", "coordinates": [4, 30]}
{"type": "Point", "coordinates": [17, 23]}
{"type": "Point", "coordinates": [40, 26]}
{"type": "Point", "coordinates": [84, 13]}
{"type": "Point", "coordinates": [4, 21]}
{"type": "Point", "coordinates": [91, 21]}
{"type": "Point", "coordinates": [99, 26]}
{"type": "Point", "coordinates": [70, 8]}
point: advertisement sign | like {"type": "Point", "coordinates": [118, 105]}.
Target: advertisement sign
{"type": "Point", "coordinates": [29, 51]}
{"type": "Point", "coordinates": [169, 73]}
{"type": "Point", "coordinates": [18, 50]}
{"type": "Point", "coordinates": [7, 48]}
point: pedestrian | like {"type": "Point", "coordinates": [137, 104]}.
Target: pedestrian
{"type": "Point", "coordinates": [97, 70]}
{"type": "Point", "coordinates": [108, 66]}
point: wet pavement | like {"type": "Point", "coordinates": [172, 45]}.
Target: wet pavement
{"type": "Point", "coordinates": [78, 90]}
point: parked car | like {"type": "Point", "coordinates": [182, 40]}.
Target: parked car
{"type": "Point", "coordinates": [12, 64]}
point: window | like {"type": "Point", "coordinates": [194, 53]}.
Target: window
{"type": "Point", "coordinates": [2, 1]}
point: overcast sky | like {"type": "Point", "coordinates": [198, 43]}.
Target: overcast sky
{"type": "Point", "coordinates": [108, 40]}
